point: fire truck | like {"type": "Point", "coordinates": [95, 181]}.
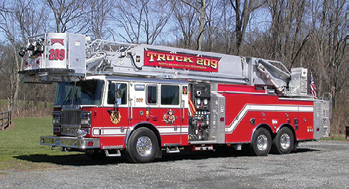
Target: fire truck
{"type": "Point", "coordinates": [141, 100]}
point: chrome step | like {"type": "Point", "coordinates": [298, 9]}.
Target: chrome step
{"type": "Point", "coordinates": [171, 150]}
{"type": "Point", "coordinates": [108, 154]}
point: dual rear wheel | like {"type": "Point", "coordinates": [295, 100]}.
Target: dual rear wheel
{"type": "Point", "coordinates": [262, 142]}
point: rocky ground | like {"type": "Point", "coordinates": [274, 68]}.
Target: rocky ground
{"type": "Point", "coordinates": [323, 164]}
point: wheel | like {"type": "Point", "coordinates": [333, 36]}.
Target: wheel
{"type": "Point", "coordinates": [142, 146]}
{"type": "Point", "coordinates": [283, 142]}
{"type": "Point", "coordinates": [261, 142]}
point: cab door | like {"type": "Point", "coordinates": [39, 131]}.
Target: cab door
{"type": "Point", "coordinates": [115, 115]}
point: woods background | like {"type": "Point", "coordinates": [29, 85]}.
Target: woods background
{"type": "Point", "coordinates": [299, 33]}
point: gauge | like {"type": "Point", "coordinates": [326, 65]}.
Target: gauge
{"type": "Point", "coordinates": [198, 101]}
{"type": "Point", "coordinates": [205, 101]}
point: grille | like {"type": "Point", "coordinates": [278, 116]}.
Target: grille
{"type": "Point", "coordinates": [71, 118]}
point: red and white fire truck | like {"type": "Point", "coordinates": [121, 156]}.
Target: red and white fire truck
{"type": "Point", "coordinates": [140, 99]}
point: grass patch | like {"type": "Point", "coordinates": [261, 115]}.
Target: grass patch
{"type": "Point", "coordinates": [20, 147]}
{"type": "Point", "coordinates": [339, 137]}
{"type": "Point", "coordinates": [3, 104]}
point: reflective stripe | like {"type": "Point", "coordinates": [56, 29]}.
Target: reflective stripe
{"type": "Point", "coordinates": [269, 108]}
{"type": "Point", "coordinates": [162, 130]}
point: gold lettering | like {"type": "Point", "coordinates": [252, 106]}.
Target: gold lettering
{"type": "Point", "coordinates": [199, 61]}
{"type": "Point", "coordinates": [214, 64]}
{"type": "Point", "coordinates": [161, 57]}
{"type": "Point", "coordinates": [179, 58]}
{"type": "Point", "coordinates": [188, 59]}
{"type": "Point", "coordinates": [206, 62]}
{"type": "Point", "coordinates": [170, 57]}
{"type": "Point", "coordinates": [151, 54]}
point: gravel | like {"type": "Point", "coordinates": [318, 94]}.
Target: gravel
{"type": "Point", "coordinates": [323, 164]}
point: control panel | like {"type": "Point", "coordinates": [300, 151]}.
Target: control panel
{"type": "Point", "coordinates": [199, 123]}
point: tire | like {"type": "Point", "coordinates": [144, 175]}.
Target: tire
{"type": "Point", "coordinates": [261, 142]}
{"type": "Point", "coordinates": [283, 142]}
{"type": "Point", "coordinates": [295, 147]}
{"type": "Point", "coordinates": [142, 146]}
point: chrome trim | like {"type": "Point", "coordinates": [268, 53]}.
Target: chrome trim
{"type": "Point", "coordinates": [262, 142]}
{"type": "Point", "coordinates": [112, 147]}
{"type": "Point", "coordinates": [172, 144]}
{"type": "Point", "coordinates": [299, 99]}
{"type": "Point", "coordinates": [144, 146]}
{"type": "Point", "coordinates": [145, 80]}
{"type": "Point", "coordinates": [285, 141]}
{"type": "Point", "coordinates": [203, 142]}
{"type": "Point", "coordinates": [69, 142]}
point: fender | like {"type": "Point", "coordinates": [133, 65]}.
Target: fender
{"type": "Point", "coordinates": [285, 125]}
{"type": "Point", "coordinates": [261, 125]}
{"type": "Point", "coordinates": [142, 124]}
{"type": "Point", "coordinates": [290, 127]}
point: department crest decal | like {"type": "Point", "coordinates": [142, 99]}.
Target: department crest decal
{"type": "Point", "coordinates": [115, 117]}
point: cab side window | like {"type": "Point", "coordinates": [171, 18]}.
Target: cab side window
{"type": "Point", "coordinates": [152, 94]}
{"type": "Point", "coordinates": [117, 93]}
{"type": "Point", "coordinates": [169, 95]}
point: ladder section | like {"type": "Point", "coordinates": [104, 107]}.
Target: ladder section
{"type": "Point", "coordinates": [56, 57]}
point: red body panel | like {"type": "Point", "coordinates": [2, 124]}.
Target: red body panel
{"type": "Point", "coordinates": [266, 110]}
{"type": "Point", "coordinates": [242, 105]}
{"type": "Point", "coordinates": [112, 134]}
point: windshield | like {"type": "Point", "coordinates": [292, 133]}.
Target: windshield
{"type": "Point", "coordinates": [80, 93]}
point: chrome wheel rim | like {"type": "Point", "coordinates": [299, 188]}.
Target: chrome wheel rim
{"type": "Point", "coordinates": [262, 142]}
{"type": "Point", "coordinates": [285, 141]}
{"type": "Point", "coordinates": [144, 146]}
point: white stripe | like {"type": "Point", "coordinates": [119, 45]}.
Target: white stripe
{"type": "Point", "coordinates": [269, 108]}
{"type": "Point", "coordinates": [185, 129]}
{"type": "Point", "coordinates": [169, 130]}
{"type": "Point", "coordinates": [162, 130]}
{"type": "Point", "coordinates": [108, 131]}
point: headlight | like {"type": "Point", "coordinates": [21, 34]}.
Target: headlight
{"type": "Point", "coordinates": [85, 119]}
{"type": "Point", "coordinates": [56, 118]}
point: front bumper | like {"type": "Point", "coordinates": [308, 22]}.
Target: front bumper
{"type": "Point", "coordinates": [70, 142]}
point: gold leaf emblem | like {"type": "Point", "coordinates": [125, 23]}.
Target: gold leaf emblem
{"type": "Point", "coordinates": [115, 117]}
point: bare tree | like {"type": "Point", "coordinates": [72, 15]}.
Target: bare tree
{"type": "Point", "coordinates": [214, 17]}
{"type": "Point", "coordinates": [185, 19]}
{"type": "Point", "coordinates": [142, 20]}
{"type": "Point", "coordinates": [243, 9]}
{"type": "Point", "coordinates": [98, 17]}
{"type": "Point", "coordinates": [286, 30]}
{"type": "Point", "coordinates": [200, 7]}
{"type": "Point", "coordinates": [68, 14]}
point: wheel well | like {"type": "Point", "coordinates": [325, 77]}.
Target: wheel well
{"type": "Point", "coordinates": [149, 126]}
{"type": "Point", "coordinates": [266, 126]}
